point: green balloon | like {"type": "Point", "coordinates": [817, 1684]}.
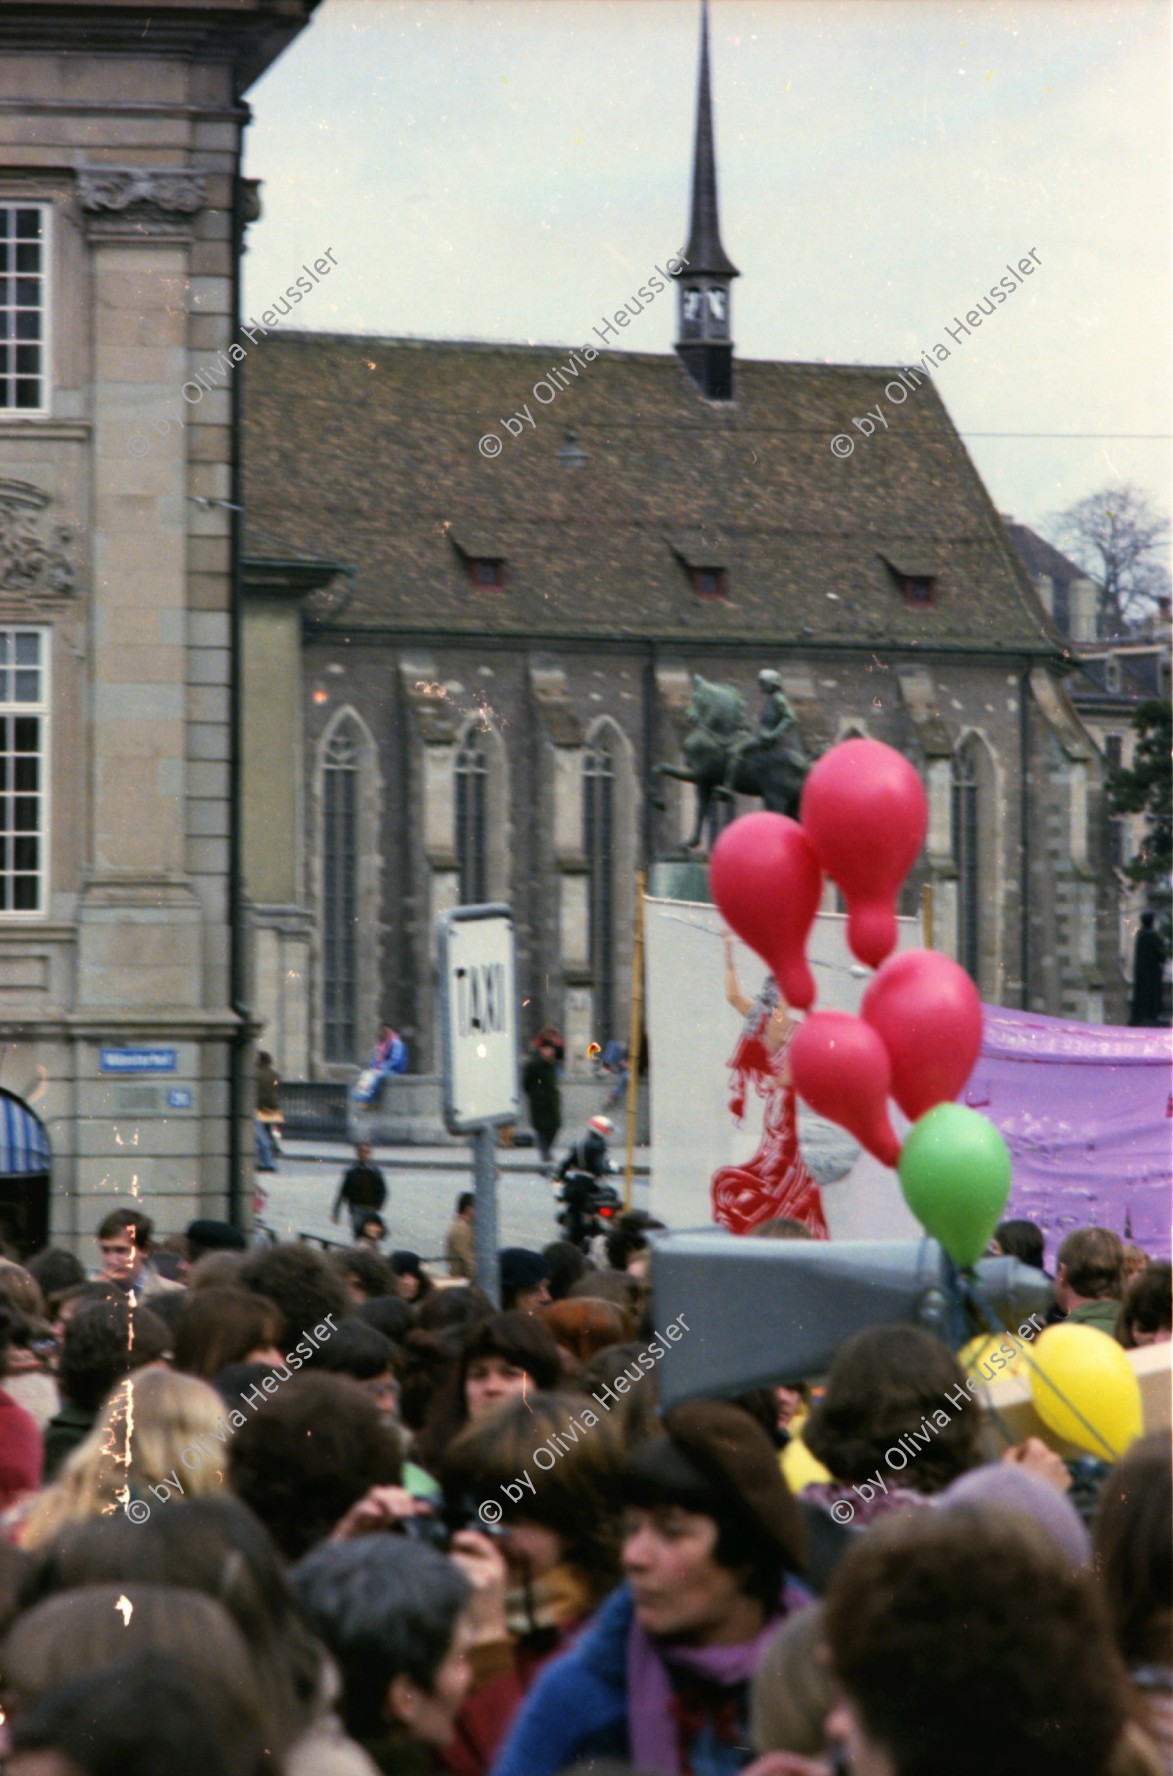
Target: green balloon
{"type": "Point", "coordinates": [955, 1174]}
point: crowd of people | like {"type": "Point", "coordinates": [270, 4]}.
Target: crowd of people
{"type": "Point", "coordinates": [318, 1513]}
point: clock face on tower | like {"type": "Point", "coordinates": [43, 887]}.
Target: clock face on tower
{"type": "Point", "coordinates": [717, 304]}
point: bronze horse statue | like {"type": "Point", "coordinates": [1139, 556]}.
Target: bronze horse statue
{"type": "Point", "coordinates": [723, 758]}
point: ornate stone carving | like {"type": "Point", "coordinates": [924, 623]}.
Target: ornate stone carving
{"type": "Point", "coordinates": [153, 200]}
{"type": "Point", "coordinates": [34, 557]}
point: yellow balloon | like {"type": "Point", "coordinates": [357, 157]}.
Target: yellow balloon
{"type": "Point", "coordinates": [1084, 1389]}
{"type": "Point", "coordinates": [799, 1467]}
{"type": "Point", "coordinates": [979, 1350]}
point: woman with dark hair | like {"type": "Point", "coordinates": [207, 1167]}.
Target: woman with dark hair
{"type": "Point", "coordinates": [367, 1275]}
{"type": "Point", "coordinates": [389, 1315]}
{"type": "Point", "coordinates": [394, 1614]}
{"type": "Point", "coordinates": [1146, 1316]}
{"type": "Point", "coordinates": [1134, 1559]}
{"type": "Point", "coordinates": [886, 1383]}
{"type": "Point", "coordinates": [357, 1350]}
{"type": "Point", "coordinates": [1018, 1239]}
{"type": "Point", "coordinates": [662, 1675]}
{"type": "Point", "coordinates": [446, 1309]}
{"type": "Point", "coordinates": [411, 1279]}
{"type": "Point", "coordinates": [312, 1453]}
{"type": "Point", "coordinates": [566, 1263]}
{"type": "Point", "coordinates": [500, 1358]}
{"type": "Point", "coordinates": [560, 1542]}
{"type": "Point", "coordinates": [635, 1413]}
{"type": "Point", "coordinates": [221, 1326]}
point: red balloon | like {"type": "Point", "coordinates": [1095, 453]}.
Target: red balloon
{"type": "Point", "coordinates": [840, 1067]}
{"type": "Point", "coordinates": [865, 813]}
{"type": "Point", "coordinates": [767, 884]}
{"type": "Point", "coordinates": [928, 1012]}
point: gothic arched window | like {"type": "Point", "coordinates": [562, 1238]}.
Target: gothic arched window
{"type": "Point", "coordinates": [340, 858]}
{"type": "Point", "coordinates": [967, 857]}
{"type": "Point", "coordinates": [472, 858]}
{"type": "Point", "coordinates": [598, 808]}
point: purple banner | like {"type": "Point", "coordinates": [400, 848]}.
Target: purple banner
{"type": "Point", "coordinates": [1086, 1111]}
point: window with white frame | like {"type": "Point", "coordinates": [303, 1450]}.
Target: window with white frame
{"type": "Point", "coordinates": [24, 717]}
{"type": "Point", "coordinates": [23, 315]}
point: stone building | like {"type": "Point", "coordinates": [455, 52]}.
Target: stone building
{"type": "Point", "coordinates": [464, 658]}
{"type": "Point", "coordinates": [1113, 674]}
{"type": "Point", "coordinates": [122, 1002]}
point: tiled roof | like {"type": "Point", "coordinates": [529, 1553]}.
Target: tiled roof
{"type": "Point", "coordinates": [365, 450]}
{"type": "Point", "coordinates": [1039, 556]}
{"type": "Point", "coordinates": [1139, 674]}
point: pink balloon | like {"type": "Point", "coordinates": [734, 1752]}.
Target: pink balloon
{"type": "Point", "coordinates": [864, 812]}
{"type": "Point", "coordinates": [840, 1067]}
{"type": "Point", "coordinates": [928, 1012]}
{"type": "Point", "coordinates": [767, 884]}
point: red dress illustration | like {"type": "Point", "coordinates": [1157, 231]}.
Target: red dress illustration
{"type": "Point", "coordinates": [775, 1181]}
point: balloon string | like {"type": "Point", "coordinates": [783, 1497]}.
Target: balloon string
{"type": "Point", "coordinates": [855, 969]}
{"type": "Point", "coordinates": [976, 1300]}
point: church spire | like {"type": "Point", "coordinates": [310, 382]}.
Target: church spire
{"type": "Point", "coordinates": [704, 341]}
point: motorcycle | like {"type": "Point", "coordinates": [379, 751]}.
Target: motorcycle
{"type": "Point", "coordinates": [591, 1208]}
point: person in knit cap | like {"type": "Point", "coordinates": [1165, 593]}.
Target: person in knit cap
{"type": "Point", "coordinates": [662, 1675]}
{"type": "Point", "coordinates": [525, 1280]}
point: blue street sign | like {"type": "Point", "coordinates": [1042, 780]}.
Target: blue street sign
{"type": "Point", "coordinates": [138, 1060]}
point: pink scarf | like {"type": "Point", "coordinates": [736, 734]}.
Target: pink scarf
{"type": "Point", "coordinates": [652, 1729]}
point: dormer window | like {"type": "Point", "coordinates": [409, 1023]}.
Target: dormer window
{"type": "Point", "coordinates": [489, 574]}
{"type": "Point", "coordinates": [709, 582]}
{"type": "Point", "coordinates": [482, 551]}
{"type": "Point", "coordinates": [1112, 674]}
{"type": "Point", "coordinates": [706, 557]}
{"type": "Point", "coordinates": [915, 578]}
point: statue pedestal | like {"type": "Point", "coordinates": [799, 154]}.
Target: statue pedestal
{"type": "Point", "coordinates": [680, 878]}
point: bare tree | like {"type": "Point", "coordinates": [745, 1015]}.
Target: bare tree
{"type": "Point", "coordinates": [1117, 537]}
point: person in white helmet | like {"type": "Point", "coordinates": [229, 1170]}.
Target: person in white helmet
{"type": "Point", "coordinates": [589, 1152]}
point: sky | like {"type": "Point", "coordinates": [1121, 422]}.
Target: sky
{"type": "Point", "coordinates": [512, 170]}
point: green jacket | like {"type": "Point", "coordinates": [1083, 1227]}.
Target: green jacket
{"type": "Point", "coordinates": [1100, 1314]}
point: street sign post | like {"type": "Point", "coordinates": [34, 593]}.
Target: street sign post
{"type": "Point", "coordinates": [479, 1040]}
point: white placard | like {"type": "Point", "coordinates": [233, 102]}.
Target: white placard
{"type": "Point", "coordinates": [691, 1034]}
{"type": "Point", "coordinates": [478, 1017]}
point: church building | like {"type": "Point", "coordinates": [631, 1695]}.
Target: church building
{"type": "Point", "coordinates": [478, 581]}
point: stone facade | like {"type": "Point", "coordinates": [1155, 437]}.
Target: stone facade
{"type": "Point", "coordinates": [122, 201]}
{"type": "Point", "coordinates": [1111, 676]}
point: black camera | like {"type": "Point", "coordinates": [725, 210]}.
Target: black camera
{"type": "Point", "coordinates": [438, 1527]}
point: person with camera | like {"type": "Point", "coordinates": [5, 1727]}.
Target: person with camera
{"type": "Point", "coordinates": [558, 1553]}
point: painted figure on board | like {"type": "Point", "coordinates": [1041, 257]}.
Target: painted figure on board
{"type": "Point", "coordinates": [775, 1181]}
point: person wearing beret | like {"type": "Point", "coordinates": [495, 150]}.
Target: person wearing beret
{"type": "Point", "coordinates": [712, 1539]}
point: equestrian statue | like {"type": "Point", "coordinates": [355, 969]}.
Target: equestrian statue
{"type": "Point", "coordinates": [724, 756]}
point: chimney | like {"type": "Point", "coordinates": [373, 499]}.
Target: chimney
{"type": "Point", "coordinates": [1083, 597]}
